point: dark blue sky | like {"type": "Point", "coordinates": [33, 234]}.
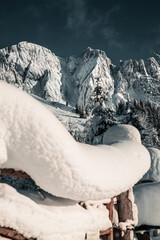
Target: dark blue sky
{"type": "Point", "coordinates": [123, 29]}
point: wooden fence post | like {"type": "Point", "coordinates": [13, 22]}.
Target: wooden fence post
{"type": "Point", "coordinates": [124, 208]}
{"type": "Point", "coordinates": [108, 234]}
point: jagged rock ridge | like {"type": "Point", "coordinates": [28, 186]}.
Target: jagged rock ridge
{"type": "Point", "coordinates": [38, 71]}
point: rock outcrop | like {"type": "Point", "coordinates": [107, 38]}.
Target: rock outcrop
{"type": "Point", "coordinates": [38, 71]}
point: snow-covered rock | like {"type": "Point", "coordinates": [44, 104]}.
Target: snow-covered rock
{"type": "Point", "coordinates": [33, 140]}
{"type": "Point", "coordinates": [153, 173]}
{"type": "Point", "coordinates": [95, 65]}
{"type": "Point", "coordinates": [138, 80]}
{"type": "Point", "coordinates": [38, 71]}
{"type": "Point", "coordinates": [122, 132]}
{"type": "Point", "coordinates": [34, 68]}
{"type": "Point", "coordinates": [147, 197]}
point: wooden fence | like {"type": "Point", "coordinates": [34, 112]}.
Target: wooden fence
{"type": "Point", "coordinates": [123, 207]}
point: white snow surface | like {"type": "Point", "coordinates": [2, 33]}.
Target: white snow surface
{"type": "Point", "coordinates": [51, 218]}
{"type": "Point", "coordinates": [156, 237]}
{"type": "Point", "coordinates": [153, 173]}
{"type": "Point", "coordinates": [37, 143]}
{"type": "Point", "coordinates": [121, 132]}
{"type": "Point", "coordinates": [147, 197]}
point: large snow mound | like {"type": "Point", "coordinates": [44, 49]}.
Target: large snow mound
{"type": "Point", "coordinates": [121, 132]}
{"type": "Point", "coordinates": [33, 140]}
{"type": "Point", "coordinates": [49, 219]}
{"type": "Point", "coordinates": [153, 173]}
{"type": "Point", "coordinates": [147, 197]}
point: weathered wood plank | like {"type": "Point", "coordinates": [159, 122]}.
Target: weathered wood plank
{"type": "Point", "coordinates": [124, 208]}
{"type": "Point", "coordinates": [13, 173]}
{"type": "Point", "coordinates": [13, 234]}
{"type": "Point", "coordinates": [144, 236]}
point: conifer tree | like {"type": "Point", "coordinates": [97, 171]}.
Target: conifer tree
{"type": "Point", "coordinates": [100, 113]}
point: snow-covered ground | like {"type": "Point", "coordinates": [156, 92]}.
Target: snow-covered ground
{"type": "Point", "coordinates": [65, 114]}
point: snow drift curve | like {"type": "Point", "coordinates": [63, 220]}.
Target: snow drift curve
{"type": "Point", "coordinates": [33, 140]}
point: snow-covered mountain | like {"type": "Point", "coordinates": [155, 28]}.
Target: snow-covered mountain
{"type": "Point", "coordinates": [39, 71]}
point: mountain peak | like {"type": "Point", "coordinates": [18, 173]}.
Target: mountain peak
{"type": "Point", "coordinates": [90, 52]}
{"type": "Point", "coordinates": [38, 71]}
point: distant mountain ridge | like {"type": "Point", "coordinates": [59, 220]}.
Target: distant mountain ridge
{"type": "Point", "coordinates": [38, 71]}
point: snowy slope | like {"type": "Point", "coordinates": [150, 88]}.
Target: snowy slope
{"type": "Point", "coordinates": [33, 140]}
{"type": "Point", "coordinates": [65, 114]}
{"type": "Point", "coordinates": [40, 72]}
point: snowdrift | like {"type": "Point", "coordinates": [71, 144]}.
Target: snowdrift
{"type": "Point", "coordinates": [49, 219]}
{"type": "Point", "coordinates": [153, 173]}
{"type": "Point", "coordinates": [33, 140]}
{"type": "Point", "coordinates": [147, 197]}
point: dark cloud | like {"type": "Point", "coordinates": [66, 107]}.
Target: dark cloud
{"type": "Point", "coordinates": [124, 29]}
{"type": "Point", "coordinates": [82, 19]}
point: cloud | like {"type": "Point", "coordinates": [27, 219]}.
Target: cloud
{"type": "Point", "coordinates": [80, 19]}
{"type": "Point", "coordinates": [76, 14]}
{"type": "Point", "coordinates": [110, 30]}
{"type": "Point", "coordinates": [111, 35]}
{"type": "Point", "coordinates": [84, 18]}
{"type": "Point", "coordinates": [151, 43]}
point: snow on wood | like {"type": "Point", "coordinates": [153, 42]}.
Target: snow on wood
{"type": "Point", "coordinates": [127, 216]}
{"type": "Point", "coordinates": [51, 218]}
{"type": "Point", "coordinates": [37, 143]}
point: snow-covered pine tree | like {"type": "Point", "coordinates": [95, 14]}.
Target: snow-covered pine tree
{"type": "Point", "coordinates": [100, 113]}
{"type": "Point", "coordinates": [145, 116]}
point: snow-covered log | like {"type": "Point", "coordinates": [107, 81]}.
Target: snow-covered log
{"type": "Point", "coordinates": [51, 218]}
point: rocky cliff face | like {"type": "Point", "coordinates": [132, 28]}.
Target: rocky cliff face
{"type": "Point", "coordinates": [37, 70]}
{"type": "Point", "coordinates": [33, 68]}
{"type": "Point", "coordinates": [138, 79]}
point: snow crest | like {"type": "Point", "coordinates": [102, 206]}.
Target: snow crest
{"type": "Point", "coordinates": [37, 143]}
